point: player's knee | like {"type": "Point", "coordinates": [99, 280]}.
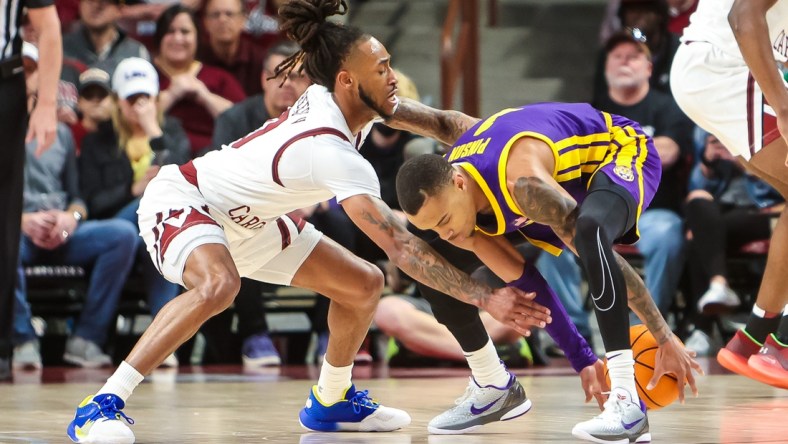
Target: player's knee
{"type": "Point", "coordinates": [218, 291]}
{"type": "Point", "coordinates": [371, 288]}
{"type": "Point", "coordinates": [587, 232]}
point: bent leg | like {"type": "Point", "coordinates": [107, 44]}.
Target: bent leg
{"type": "Point", "coordinates": [213, 281]}
{"type": "Point", "coordinates": [769, 165]}
{"type": "Point", "coordinates": [354, 287]}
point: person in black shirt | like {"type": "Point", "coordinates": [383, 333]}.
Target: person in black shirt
{"type": "Point", "coordinates": [628, 70]}
{"type": "Point", "coordinates": [13, 121]}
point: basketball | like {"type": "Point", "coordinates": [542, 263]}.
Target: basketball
{"type": "Point", "coordinates": [644, 350]}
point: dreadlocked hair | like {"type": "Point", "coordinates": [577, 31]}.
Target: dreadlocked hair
{"type": "Point", "coordinates": [324, 44]}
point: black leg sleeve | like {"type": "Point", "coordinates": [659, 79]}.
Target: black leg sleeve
{"type": "Point", "coordinates": [604, 216]}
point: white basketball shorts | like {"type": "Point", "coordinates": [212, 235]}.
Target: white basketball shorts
{"type": "Point", "coordinates": [717, 91]}
{"type": "Point", "coordinates": [174, 220]}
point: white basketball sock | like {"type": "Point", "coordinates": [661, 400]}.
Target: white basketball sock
{"type": "Point", "coordinates": [621, 368]}
{"type": "Point", "coordinates": [125, 379]}
{"type": "Point", "coordinates": [487, 367]}
{"type": "Point", "coordinates": [333, 382]}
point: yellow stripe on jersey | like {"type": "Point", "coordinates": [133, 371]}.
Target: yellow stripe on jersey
{"type": "Point", "coordinates": [642, 143]}
{"type": "Point", "coordinates": [490, 120]}
{"type": "Point", "coordinates": [504, 160]}
{"type": "Point", "coordinates": [620, 137]}
{"type": "Point", "coordinates": [546, 246]}
{"type": "Point", "coordinates": [608, 120]}
{"type": "Point", "coordinates": [470, 169]}
{"type": "Point", "coordinates": [629, 150]}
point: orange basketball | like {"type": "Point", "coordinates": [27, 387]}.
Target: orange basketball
{"type": "Point", "coordinates": [644, 350]}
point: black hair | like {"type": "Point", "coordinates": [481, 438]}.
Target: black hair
{"type": "Point", "coordinates": [421, 177]}
{"type": "Point", "coordinates": [165, 20]}
{"type": "Point", "coordinates": [324, 44]}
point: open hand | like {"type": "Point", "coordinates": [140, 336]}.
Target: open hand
{"type": "Point", "coordinates": [592, 378]}
{"type": "Point", "coordinates": [516, 309]}
{"type": "Point", "coordinates": [672, 358]}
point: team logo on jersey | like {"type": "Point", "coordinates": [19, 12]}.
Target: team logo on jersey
{"type": "Point", "coordinates": [624, 172]}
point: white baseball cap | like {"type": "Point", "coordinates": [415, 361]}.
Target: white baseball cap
{"type": "Point", "coordinates": [135, 76]}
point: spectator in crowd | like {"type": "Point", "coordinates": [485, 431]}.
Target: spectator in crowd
{"type": "Point", "coordinates": [646, 20]}
{"type": "Point", "coordinates": [194, 93]}
{"type": "Point", "coordinates": [124, 154]}
{"type": "Point", "coordinates": [94, 104]}
{"type": "Point", "coordinates": [99, 41]}
{"type": "Point", "coordinates": [726, 208]}
{"type": "Point", "coordinates": [54, 233]}
{"type": "Point", "coordinates": [250, 114]}
{"type": "Point", "coordinates": [628, 70]}
{"type": "Point", "coordinates": [257, 350]}
{"type": "Point", "coordinates": [225, 47]}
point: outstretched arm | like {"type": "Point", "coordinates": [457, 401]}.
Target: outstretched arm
{"type": "Point", "coordinates": [512, 307]}
{"type": "Point", "coordinates": [445, 126]}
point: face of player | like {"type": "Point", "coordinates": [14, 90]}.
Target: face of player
{"type": "Point", "coordinates": [369, 67]}
{"type": "Point", "coordinates": [179, 44]}
{"type": "Point", "coordinates": [278, 96]}
{"type": "Point", "coordinates": [450, 213]}
{"type": "Point", "coordinates": [627, 67]}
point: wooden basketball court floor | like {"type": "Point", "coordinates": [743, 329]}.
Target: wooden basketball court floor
{"type": "Point", "coordinates": [225, 405]}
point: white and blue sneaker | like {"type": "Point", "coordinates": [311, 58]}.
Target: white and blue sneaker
{"type": "Point", "coordinates": [99, 419]}
{"type": "Point", "coordinates": [356, 412]}
{"type": "Point", "coordinates": [623, 421]}
{"type": "Point", "coordinates": [482, 405]}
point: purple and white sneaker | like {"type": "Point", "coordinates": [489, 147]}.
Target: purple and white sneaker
{"type": "Point", "coordinates": [480, 406]}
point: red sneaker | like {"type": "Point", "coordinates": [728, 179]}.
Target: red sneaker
{"type": "Point", "coordinates": [735, 354]}
{"type": "Point", "coordinates": [770, 364]}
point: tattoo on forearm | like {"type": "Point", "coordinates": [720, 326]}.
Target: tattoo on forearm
{"type": "Point", "coordinates": [445, 126]}
{"type": "Point", "coordinates": [641, 303]}
{"type": "Point", "coordinates": [545, 205]}
{"type": "Point", "coordinates": [424, 264]}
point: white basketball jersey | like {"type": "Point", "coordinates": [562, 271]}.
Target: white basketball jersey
{"type": "Point", "coordinates": [305, 156]}
{"type": "Point", "coordinates": [709, 23]}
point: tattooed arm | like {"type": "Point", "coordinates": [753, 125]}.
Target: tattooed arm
{"type": "Point", "coordinates": [445, 126]}
{"type": "Point", "coordinates": [510, 306]}
{"type": "Point", "coordinates": [545, 205]}
{"type": "Point", "coordinates": [543, 200]}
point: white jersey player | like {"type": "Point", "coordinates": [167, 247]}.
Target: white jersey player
{"type": "Point", "coordinates": [713, 84]}
{"type": "Point", "coordinates": [238, 196]}
{"type": "Point", "coordinates": [727, 76]}
{"type": "Point", "coordinates": [222, 216]}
